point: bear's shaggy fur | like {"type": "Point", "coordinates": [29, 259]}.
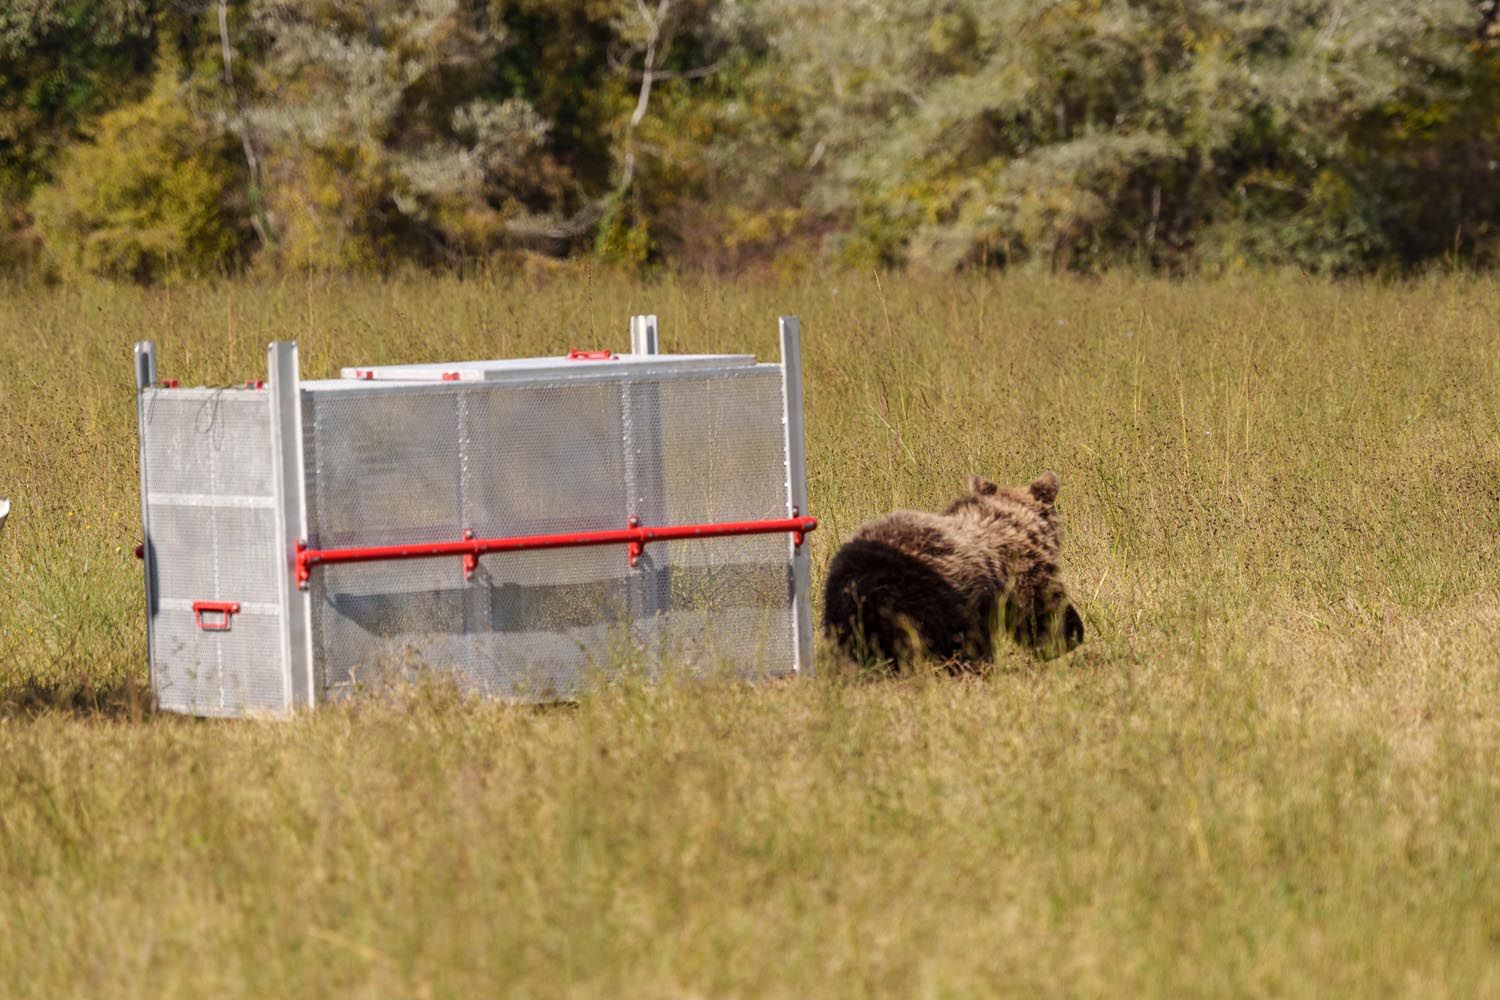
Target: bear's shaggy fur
{"type": "Point", "coordinates": [946, 581]}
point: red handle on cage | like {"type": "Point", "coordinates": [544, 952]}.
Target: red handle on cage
{"type": "Point", "coordinates": [580, 355]}
{"type": "Point", "coordinates": [225, 608]}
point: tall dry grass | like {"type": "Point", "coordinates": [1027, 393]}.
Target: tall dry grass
{"type": "Point", "coordinates": [1273, 769]}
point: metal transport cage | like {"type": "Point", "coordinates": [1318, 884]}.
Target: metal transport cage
{"type": "Point", "coordinates": [525, 525]}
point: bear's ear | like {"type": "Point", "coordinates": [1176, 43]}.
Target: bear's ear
{"type": "Point", "coordinates": [1044, 487]}
{"type": "Point", "coordinates": [980, 486]}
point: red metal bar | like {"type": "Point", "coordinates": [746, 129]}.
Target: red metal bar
{"type": "Point", "coordinates": [471, 548]}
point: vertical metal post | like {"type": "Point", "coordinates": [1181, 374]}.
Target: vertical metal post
{"type": "Point", "coordinates": [291, 522]}
{"type": "Point", "coordinates": [145, 377]}
{"type": "Point", "coordinates": [478, 589]}
{"type": "Point", "coordinates": [636, 586]}
{"type": "Point", "coordinates": [145, 364]}
{"type": "Point", "coordinates": [796, 489]}
{"type": "Point", "coordinates": [650, 590]}
{"type": "Point", "coordinates": [643, 335]}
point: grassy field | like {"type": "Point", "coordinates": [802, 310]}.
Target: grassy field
{"type": "Point", "coordinates": [1274, 769]}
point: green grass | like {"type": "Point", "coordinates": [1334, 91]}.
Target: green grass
{"type": "Point", "coordinates": [1274, 769]}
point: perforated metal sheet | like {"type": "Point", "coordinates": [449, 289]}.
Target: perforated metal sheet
{"type": "Point", "coordinates": [405, 462]}
{"type": "Point", "coordinates": [211, 516]}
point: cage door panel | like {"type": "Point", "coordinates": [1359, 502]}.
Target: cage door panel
{"type": "Point", "coordinates": [211, 535]}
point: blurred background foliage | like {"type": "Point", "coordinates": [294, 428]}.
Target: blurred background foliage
{"type": "Point", "coordinates": [152, 139]}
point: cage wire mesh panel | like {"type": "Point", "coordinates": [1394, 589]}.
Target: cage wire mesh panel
{"type": "Point", "coordinates": [422, 462]}
{"type": "Point", "coordinates": [722, 457]}
{"type": "Point", "coordinates": [211, 517]}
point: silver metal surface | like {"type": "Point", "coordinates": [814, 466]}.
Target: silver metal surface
{"type": "Point", "coordinates": [208, 490]}
{"type": "Point", "coordinates": [145, 364]}
{"type": "Point", "coordinates": [796, 489]}
{"type": "Point", "coordinates": [643, 336]}
{"type": "Point", "coordinates": [428, 463]}
{"type": "Point", "coordinates": [524, 369]}
{"type": "Point", "coordinates": [295, 639]}
{"type": "Point", "coordinates": [645, 491]}
{"type": "Point", "coordinates": [145, 375]}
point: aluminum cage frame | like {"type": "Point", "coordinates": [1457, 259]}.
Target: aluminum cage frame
{"type": "Point", "coordinates": [287, 558]}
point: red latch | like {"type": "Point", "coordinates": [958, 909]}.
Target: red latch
{"type": "Point", "coordinates": [225, 608]}
{"type": "Point", "coordinates": [258, 383]}
{"type": "Point", "coordinates": [364, 373]}
{"type": "Point", "coordinates": [471, 559]}
{"type": "Point", "coordinates": [578, 355]}
{"type": "Point", "coordinates": [635, 548]}
{"type": "Point", "coordinates": [169, 383]}
{"type": "Point", "coordinates": [450, 376]}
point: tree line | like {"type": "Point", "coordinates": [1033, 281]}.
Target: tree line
{"type": "Point", "coordinates": [153, 139]}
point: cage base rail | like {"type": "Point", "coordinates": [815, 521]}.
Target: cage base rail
{"type": "Point", "coordinates": [636, 537]}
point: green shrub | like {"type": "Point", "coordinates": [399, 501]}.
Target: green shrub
{"type": "Point", "coordinates": [155, 195]}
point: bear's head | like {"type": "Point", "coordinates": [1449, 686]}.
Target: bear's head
{"type": "Point", "coordinates": [1022, 528]}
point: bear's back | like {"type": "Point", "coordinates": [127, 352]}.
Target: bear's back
{"type": "Point", "coordinates": [943, 546]}
{"type": "Point", "coordinates": [907, 572]}
{"type": "Point", "coordinates": [1005, 528]}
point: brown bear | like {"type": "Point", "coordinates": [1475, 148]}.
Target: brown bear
{"type": "Point", "coordinates": [944, 582]}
